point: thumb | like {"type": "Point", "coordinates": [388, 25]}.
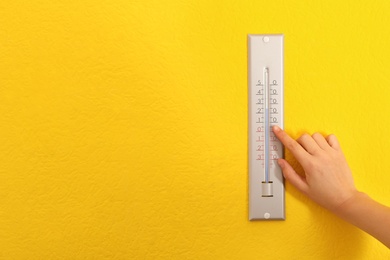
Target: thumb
{"type": "Point", "coordinates": [294, 178]}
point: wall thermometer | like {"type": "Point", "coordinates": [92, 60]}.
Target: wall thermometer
{"type": "Point", "coordinates": [265, 88]}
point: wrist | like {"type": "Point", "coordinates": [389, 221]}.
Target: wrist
{"type": "Point", "coordinates": [348, 206]}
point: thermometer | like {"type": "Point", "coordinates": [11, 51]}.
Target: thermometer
{"type": "Point", "coordinates": [265, 89]}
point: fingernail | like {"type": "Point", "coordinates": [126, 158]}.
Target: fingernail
{"type": "Point", "coordinates": [280, 162]}
{"type": "Point", "coordinates": [276, 128]}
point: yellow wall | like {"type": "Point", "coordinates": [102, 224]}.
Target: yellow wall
{"type": "Point", "coordinates": [124, 126]}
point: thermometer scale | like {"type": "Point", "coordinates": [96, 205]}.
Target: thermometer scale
{"type": "Point", "coordinates": [265, 88]}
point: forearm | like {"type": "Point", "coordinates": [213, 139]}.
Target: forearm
{"type": "Point", "coordinates": [368, 215]}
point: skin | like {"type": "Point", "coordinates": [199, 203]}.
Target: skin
{"type": "Point", "coordinates": [328, 181]}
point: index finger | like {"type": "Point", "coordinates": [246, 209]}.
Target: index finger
{"type": "Point", "coordinates": [295, 148]}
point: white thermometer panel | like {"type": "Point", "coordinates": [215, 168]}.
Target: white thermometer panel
{"type": "Point", "coordinates": [265, 83]}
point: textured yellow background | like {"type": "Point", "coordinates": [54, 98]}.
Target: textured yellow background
{"type": "Point", "coordinates": [123, 126]}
